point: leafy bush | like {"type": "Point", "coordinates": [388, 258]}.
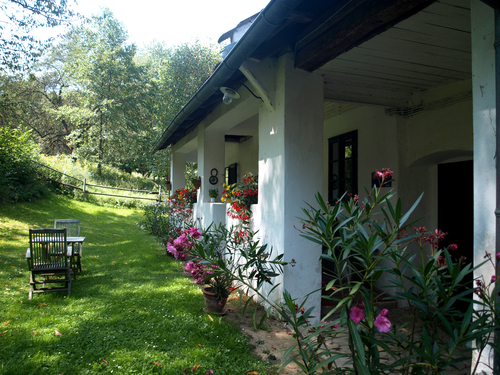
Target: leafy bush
{"type": "Point", "coordinates": [165, 219]}
{"type": "Point", "coordinates": [18, 179]}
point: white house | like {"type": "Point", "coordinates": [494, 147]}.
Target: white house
{"type": "Point", "coordinates": [331, 90]}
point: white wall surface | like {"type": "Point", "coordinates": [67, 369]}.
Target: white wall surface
{"type": "Point", "coordinates": [484, 116]}
{"type": "Point", "coordinates": [290, 171]}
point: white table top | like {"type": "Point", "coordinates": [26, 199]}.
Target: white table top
{"type": "Point", "coordinates": [68, 239]}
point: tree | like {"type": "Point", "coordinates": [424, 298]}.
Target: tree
{"type": "Point", "coordinates": [19, 46]}
{"type": "Point", "coordinates": [174, 75]}
{"type": "Point", "coordinates": [108, 87]}
{"type": "Point", "coordinates": [96, 97]}
{"type": "Point", "coordinates": [33, 102]}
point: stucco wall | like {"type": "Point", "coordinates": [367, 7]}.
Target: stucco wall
{"type": "Point", "coordinates": [485, 153]}
{"type": "Point", "coordinates": [377, 141]}
{"type": "Point", "coordinates": [412, 147]}
{"type": "Point", "coordinates": [245, 154]}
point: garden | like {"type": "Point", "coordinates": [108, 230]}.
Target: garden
{"type": "Point", "coordinates": [366, 239]}
{"type": "Point", "coordinates": [131, 310]}
{"type": "Point", "coordinates": [159, 303]}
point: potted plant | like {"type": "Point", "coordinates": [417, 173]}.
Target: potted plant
{"type": "Point", "coordinates": [218, 284]}
{"type": "Point", "coordinates": [196, 182]}
{"type": "Point", "coordinates": [212, 193]}
{"type": "Point", "coordinates": [209, 267]}
{"type": "Point", "coordinates": [222, 262]}
{"type": "Point", "coordinates": [168, 184]}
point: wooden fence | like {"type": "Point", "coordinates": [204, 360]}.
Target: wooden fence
{"type": "Point", "coordinates": [85, 186]}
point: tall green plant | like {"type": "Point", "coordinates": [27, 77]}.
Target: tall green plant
{"type": "Point", "coordinates": [18, 179]}
{"type": "Point", "coordinates": [366, 240]}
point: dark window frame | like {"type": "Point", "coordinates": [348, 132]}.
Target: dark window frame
{"type": "Point", "coordinates": [339, 181]}
{"type": "Point", "coordinates": [231, 175]}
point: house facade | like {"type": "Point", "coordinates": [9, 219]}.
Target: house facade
{"type": "Point", "coordinates": [329, 92]}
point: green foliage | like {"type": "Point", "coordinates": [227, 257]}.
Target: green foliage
{"type": "Point", "coordinates": [247, 264]}
{"type": "Point", "coordinates": [109, 87]}
{"type": "Point", "coordinates": [89, 171]}
{"type": "Point", "coordinates": [18, 42]}
{"type": "Point", "coordinates": [18, 179]}
{"type": "Point", "coordinates": [95, 97]}
{"type": "Point", "coordinates": [369, 239]}
{"type": "Point", "coordinates": [167, 218]}
{"type": "Point", "coordinates": [130, 308]}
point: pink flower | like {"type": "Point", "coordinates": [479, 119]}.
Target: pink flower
{"type": "Point", "coordinates": [493, 279]}
{"type": "Point", "coordinates": [382, 323]}
{"type": "Point", "coordinates": [498, 256]}
{"type": "Point", "coordinates": [385, 313]}
{"type": "Point", "coordinates": [194, 233]}
{"type": "Point", "coordinates": [452, 247]}
{"type": "Point", "coordinates": [356, 314]}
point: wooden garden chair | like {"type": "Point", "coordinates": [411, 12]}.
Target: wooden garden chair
{"type": "Point", "coordinates": [48, 258]}
{"type": "Point", "coordinates": [73, 230]}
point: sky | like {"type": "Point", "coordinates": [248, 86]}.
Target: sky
{"type": "Point", "coordinates": [174, 21]}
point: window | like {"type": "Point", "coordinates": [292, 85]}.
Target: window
{"type": "Point", "coordinates": [231, 174]}
{"type": "Point", "coordinates": [342, 166]}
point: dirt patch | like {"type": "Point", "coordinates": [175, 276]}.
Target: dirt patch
{"type": "Point", "coordinates": [269, 343]}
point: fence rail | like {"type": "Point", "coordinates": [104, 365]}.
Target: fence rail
{"type": "Point", "coordinates": [85, 190]}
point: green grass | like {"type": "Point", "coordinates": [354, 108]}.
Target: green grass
{"type": "Point", "coordinates": [131, 306]}
{"type": "Point", "coordinates": [110, 176]}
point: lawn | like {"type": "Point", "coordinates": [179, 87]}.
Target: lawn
{"type": "Point", "coordinates": [130, 311]}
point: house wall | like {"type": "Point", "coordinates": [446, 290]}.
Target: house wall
{"type": "Point", "coordinates": [245, 154]}
{"type": "Point", "coordinates": [411, 146]}
{"type": "Point", "coordinates": [432, 137]}
{"type": "Point", "coordinates": [377, 141]}
{"type": "Point", "coordinates": [290, 168]}
{"type": "Point", "coordinates": [485, 153]}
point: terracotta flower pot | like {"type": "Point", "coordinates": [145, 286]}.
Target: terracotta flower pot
{"type": "Point", "coordinates": [213, 302]}
{"type": "Point", "coordinates": [197, 183]}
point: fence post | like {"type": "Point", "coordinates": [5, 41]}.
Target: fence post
{"type": "Point", "coordinates": [84, 183]}
{"type": "Point", "coordinates": [159, 194]}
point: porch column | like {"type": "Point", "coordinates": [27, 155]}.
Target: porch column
{"type": "Point", "coordinates": [290, 173]}
{"type": "Point", "coordinates": [177, 170]}
{"type": "Point", "coordinates": [485, 156]}
{"type": "Point", "coordinates": [211, 158]}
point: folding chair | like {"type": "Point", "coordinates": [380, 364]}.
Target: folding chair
{"type": "Point", "coordinates": [49, 258]}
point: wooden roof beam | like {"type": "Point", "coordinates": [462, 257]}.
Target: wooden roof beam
{"type": "Point", "coordinates": [350, 26]}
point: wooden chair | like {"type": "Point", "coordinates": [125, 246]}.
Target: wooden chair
{"type": "Point", "coordinates": [73, 230]}
{"type": "Point", "coordinates": [49, 258]}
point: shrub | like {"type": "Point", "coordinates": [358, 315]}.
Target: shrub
{"type": "Point", "coordinates": [18, 179]}
{"type": "Point", "coordinates": [165, 219]}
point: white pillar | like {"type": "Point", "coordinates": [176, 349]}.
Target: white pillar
{"type": "Point", "coordinates": [212, 151]}
{"type": "Point", "coordinates": [211, 155]}
{"type": "Point", "coordinates": [484, 117]}
{"type": "Point", "coordinates": [178, 170]}
{"type": "Point", "coordinates": [290, 173]}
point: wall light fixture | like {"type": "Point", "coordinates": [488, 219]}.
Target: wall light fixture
{"type": "Point", "coordinates": [229, 95]}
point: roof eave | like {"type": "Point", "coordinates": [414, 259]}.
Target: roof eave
{"type": "Point", "coordinates": [270, 18]}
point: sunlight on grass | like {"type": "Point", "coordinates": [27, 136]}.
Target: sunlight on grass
{"type": "Point", "coordinates": [130, 307]}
